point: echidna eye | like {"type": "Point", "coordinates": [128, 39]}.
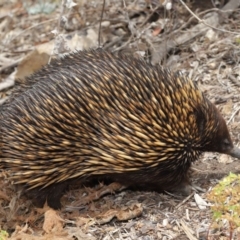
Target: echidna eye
{"type": "Point", "coordinates": [226, 141]}
{"type": "Point", "coordinates": [226, 144]}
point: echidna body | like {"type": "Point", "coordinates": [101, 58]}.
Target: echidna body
{"type": "Point", "coordinates": [94, 113]}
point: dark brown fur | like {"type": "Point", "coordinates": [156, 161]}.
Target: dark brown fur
{"type": "Point", "coordinates": [95, 114]}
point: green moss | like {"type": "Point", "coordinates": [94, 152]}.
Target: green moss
{"type": "Point", "coordinates": [3, 235]}
{"type": "Point", "coordinates": [225, 199]}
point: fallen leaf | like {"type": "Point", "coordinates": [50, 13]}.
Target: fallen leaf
{"type": "Point", "coordinates": [53, 223]}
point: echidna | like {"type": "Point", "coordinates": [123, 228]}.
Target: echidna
{"type": "Point", "coordinates": [94, 114]}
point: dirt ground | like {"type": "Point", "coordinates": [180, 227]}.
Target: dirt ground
{"type": "Point", "coordinates": [200, 38]}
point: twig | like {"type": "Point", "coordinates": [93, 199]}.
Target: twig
{"type": "Point", "coordinates": [234, 80]}
{"type": "Point", "coordinates": [100, 25]}
{"type": "Point", "coordinates": [231, 5]}
{"type": "Point", "coordinates": [219, 75]}
{"type": "Point", "coordinates": [149, 16]}
{"type": "Point", "coordinates": [204, 22]}
{"type": "Point", "coordinates": [162, 49]}
{"type": "Point", "coordinates": [232, 116]}
{"type": "Point", "coordinates": [113, 42]}
{"type": "Point", "coordinates": [184, 201]}
{"type": "Point", "coordinates": [9, 81]}
{"type": "Point", "coordinates": [34, 26]}
{"type": "Point", "coordinates": [187, 230]}
{"type": "Point", "coordinates": [11, 65]}
{"type": "Point", "coordinates": [56, 31]}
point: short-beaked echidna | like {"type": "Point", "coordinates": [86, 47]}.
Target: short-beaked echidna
{"type": "Point", "coordinates": [94, 114]}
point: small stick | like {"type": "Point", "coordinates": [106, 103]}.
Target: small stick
{"type": "Point", "coordinates": [100, 25]}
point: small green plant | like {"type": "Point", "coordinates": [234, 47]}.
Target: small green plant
{"type": "Point", "coordinates": [3, 235]}
{"type": "Point", "coordinates": [237, 40]}
{"type": "Point", "coordinates": [225, 199]}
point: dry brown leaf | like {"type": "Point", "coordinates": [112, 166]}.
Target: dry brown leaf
{"type": "Point", "coordinates": [106, 217]}
{"type": "Point", "coordinates": [21, 233]}
{"type": "Point", "coordinates": [31, 236]}
{"type": "Point", "coordinates": [25, 236]}
{"type": "Point", "coordinates": [31, 63]}
{"type": "Point", "coordinates": [80, 221]}
{"type": "Point", "coordinates": [111, 188]}
{"type": "Point", "coordinates": [77, 233]}
{"type": "Point", "coordinates": [53, 223]}
{"type": "Point", "coordinates": [41, 54]}
{"type": "Point", "coordinates": [130, 212]}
